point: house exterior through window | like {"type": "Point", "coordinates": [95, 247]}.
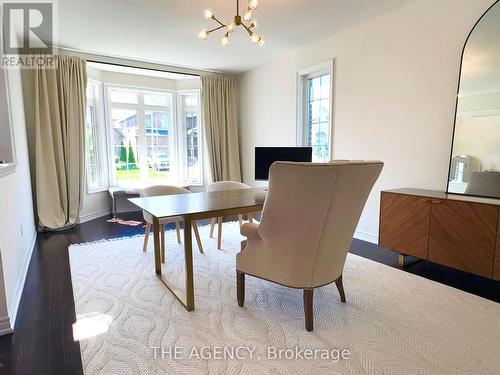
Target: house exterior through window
{"type": "Point", "coordinates": [314, 107]}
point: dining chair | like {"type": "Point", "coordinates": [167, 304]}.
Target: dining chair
{"type": "Point", "coordinates": [310, 252]}
{"type": "Point", "coordinates": [158, 190]}
{"type": "Point", "coordinates": [224, 186]}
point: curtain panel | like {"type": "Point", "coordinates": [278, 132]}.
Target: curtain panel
{"type": "Point", "coordinates": [55, 113]}
{"type": "Point", "coordinates": [219, 95]}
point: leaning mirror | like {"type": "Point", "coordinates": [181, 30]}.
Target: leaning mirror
{"type": "Point", "coordinates": [475, 156]}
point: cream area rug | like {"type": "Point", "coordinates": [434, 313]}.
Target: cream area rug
{"type": "Point", "coordinates": [393, 322]}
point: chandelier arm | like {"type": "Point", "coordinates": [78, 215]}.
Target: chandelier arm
{"type": "Point", "coordinates": [237, 7]}
{"type": "Point", "coordinates": [250, 32]}
{"type": "Point", "coordinates": [215, 29]}
{"type": "Point", "coordinates": [216, 20]}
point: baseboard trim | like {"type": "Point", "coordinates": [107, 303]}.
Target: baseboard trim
{"type": "Point", "coordinates": [5, 326]}
{"type": "Point", "coordinates": [93, 215]}
{"type": "Point", "coordinates": [16, 299]}
{"type": "Point", "coordinates": [368, 237]}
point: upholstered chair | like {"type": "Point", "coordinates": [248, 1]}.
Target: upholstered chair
{"type": "Point", "coordinates": [158, 190]}
{"type": "Point", "coordinates": [223, 186]}
{"type": "Point", "coordinates": [486, 184]}
{"type": "Point", "coordinates": [308, 221]}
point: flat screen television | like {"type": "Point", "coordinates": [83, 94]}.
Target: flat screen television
{"type": "Point", "coordinates": [265, 156]}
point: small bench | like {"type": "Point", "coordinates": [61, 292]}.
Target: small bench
{"type": "Point", "coordinates": [123, 193]}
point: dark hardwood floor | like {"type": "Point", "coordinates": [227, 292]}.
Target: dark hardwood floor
{"type": "Point", "coordinates": [43, 339]}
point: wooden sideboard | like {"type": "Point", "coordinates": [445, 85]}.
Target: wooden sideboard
{"type": "Point", "coordinates": [457, 231]}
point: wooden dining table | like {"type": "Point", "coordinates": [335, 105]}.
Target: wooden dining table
{"type": "Point", "coordinates": [190, 207]}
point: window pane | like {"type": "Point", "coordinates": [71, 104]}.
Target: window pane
{"type": "Point", "coordinates": [314, 88]}
{"type": "Point", "coordinates": [191, 100]}
{"type": "Point", "coordinates": [123, 96]}
{"type": "Point", "coordinates": [158, 99]}
{"type": "Point", "coordinates": [314, 108]}
{"type": "Point", "coordinates": [191, 138]}
{"type": "Point", "coordinates": [324, 110]}
{"type": "Point", "coordinates": [158, 155]}
{"type": "Point", "coordinates": [317, 119]}
{"type": "Point", "coordinates": [125, 138]}
{"type": "Point", "coordinates": [192, 169]}
{"type": "Point", "coordinates": [91, 139]}
{"type": "Point", "coordinates": [325, 86]}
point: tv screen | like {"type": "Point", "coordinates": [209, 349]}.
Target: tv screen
{"type": "Point", "coordinates": [265, 156]}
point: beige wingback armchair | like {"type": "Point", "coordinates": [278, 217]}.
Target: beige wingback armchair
{"type": "Point", "coordinates": [157, 190]}
{"type": "Point", "coordinates": [224, 186]}
{"type": "Point", "coordinates": [307, 225]}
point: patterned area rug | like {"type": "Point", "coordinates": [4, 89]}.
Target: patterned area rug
{"type": "Point", "coordinates": [393, 322]}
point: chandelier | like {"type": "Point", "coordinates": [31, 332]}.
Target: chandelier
{"type": "Point", "coordinates": [239, 20]}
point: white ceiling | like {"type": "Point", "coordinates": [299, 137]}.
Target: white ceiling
{"type": "Point", "coordinates": [166, 31]}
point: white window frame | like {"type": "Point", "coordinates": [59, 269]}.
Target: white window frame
{"type": "Point", "coordinates": [10, 167]}
{"type": "Point", "coordinates": [303, 75]}
{"type": "Point", "coordinates": [181, 141]}
{"type": "Point", "coordinates": [100, 148]}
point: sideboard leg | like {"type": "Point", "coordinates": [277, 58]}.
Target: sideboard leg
{"type": "Point", "coordinates": [401, 260]}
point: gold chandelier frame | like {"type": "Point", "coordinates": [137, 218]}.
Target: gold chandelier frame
{"type": "Point", "coordinates": [238, 20]}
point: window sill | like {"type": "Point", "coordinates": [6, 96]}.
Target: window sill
{"type": "Point", "coordinates": [96, 190]}
{"type": "Point", "coordinates": [143, 184]}
{"type": "Point", "coordinates": [6, 169]}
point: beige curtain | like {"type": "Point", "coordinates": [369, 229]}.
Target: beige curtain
{"type": "Point", "coordinates": [55, 113]}
{"type": "Point", "coordinates": [219, 95]}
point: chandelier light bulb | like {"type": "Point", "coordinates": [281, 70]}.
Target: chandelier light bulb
{"type": "Point", "coordinates": [254, 23]}
{"type": "Point", "coordinates": [224, 40]}
{"type": "Point", "coordinates": [207, 13]}
{"type": "Point", "coordinates": [203, 34]}
{"type": "Point", "coordinates": [253, 4]}
{"type": "Point", "coordinates": [231, 27]}
{"type": "Point", "coordinates": [262, 41]}
{"type": "Point", "coordinates": [254, 38]}
{"type": "Point", "coordinates": [247, 16]}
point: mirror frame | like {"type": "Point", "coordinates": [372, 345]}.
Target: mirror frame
{"type": "Point", "coordinates": [456, 106]}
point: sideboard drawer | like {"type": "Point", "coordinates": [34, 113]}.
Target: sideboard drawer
{"type": "Point", "coordinates": [463, 235]}
{"type": "Point", "coordinates": [404, 224]}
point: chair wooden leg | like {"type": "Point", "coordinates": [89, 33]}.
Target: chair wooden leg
{"type": "Point", "coordinates": [340, 287]}
{"type": "Point", "coordinates": [219, 233]}
{"type": "Point", "coordinates": [240, 287]}
{"type": "Point", "coordinates": [178, 230]}
{"type": "Point", "coordinates": [162, 242]}
{"type": "Point", "coordinates": [146, 236]}
{"type": "Point", "coordinates": [308, 309]}
{"type": "Point", "coordinates": [212, 227]}
{"type": "Point", "coordinates": [250, 217]}
{"type": "Point", "coordinates": [197, 236]}
{"type": "Point", "coordinates": [240, 219]}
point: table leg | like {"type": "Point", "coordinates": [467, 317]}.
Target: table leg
{"type": "Point", "coordinates": [157, 247]}
{"type": "Point", "coordinates": [188, 261]}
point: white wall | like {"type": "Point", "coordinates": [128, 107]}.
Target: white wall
{"type": "Point", "coordinates": [395, 84]}
{"type": "Point", "coordinates": [17, 227]}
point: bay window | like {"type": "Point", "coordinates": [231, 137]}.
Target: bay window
{"type": "Point", "coordinates": [153, 136]}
